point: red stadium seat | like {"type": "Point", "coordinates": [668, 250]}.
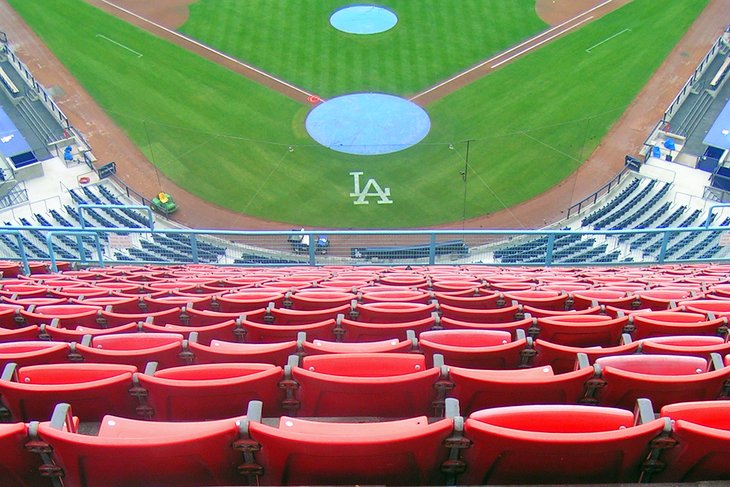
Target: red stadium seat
{"type": "Point", "coordinates": [548, 300]}
{"type": "Point", "coordinates": [210, 391]}
{"type": "Point", "coordinates": [391, 312]}
{"type": "Point", "coordinates": [511, 286]}
{"type": "Point", "coordinates": [164, 303]}
{"type": "Point", "coordinates": [479, 389]}
{"type": "Point", "coordinates": [511, 326]}
{"type": "Point", "coordinates": [319, 300]}
{"type": "Point", "coordinates": [702, 451]}
{"type": "Point", "coordinates": [10, 316]}
{"type": "Point", "coordinates": [263, 333]}
{"type": "Point", "coordinates": [29, 332]}
{"type": "Point", "coordinates": [302, 452]}
{"type": "Point", "coordinates": [357, 331]}
{"type": "Point", "coordinates": [345, 284]}
{"type": "Point", "coordinates": [249, 300]}
{"type": "Point", "coordinates": [719, 291]}
{"type": "Point", "coordinates": [133, 349]}
{"type": "Point", "coordinates": [556, 444]}
{"type": "Point", "coordinates": [405, 279]}
{"type": "Point", "coordinates": [566, 287]}
{"type": "Point", "coordinates": [226, 352]}
{"type": "Point", "coordinates": [68, 315]}
{"type": "Point", "coordinates": [593, 297]}
{"type": "Point", "coordinates": [394, 345]}
{"type": "Point", "coordinates": [57, 334]}
{"type": "Point", "coordinates": [31, 392]}
{"type": "Point", "coordinates": [170, 286]}
{"type": "Point", "coordinates": [284, 316]}
{"type": "Point", "coordinates": [664, 379]}
{"type": "Point", "coordinates": [17, 291]}
{"type": "Point", "coordinates": [128, 452]}
{"type": "Point", "coordinates": [33, 353]}
{"type": "Point", "coordinates": [111, 319]}
{"type": "Point", "coordinates": [667, 323]}
{"type": "Point", "coordinates": [404, 296]}
{"type": "Point", "coordinates": [18, 466]}
{"type": "Point", "coordinates": [582, 330]}
{"type": "Point", "coordinates": [662, 298]}
{"type": "Point", "coordinates": [78, 292]}
{"type": "Point", "coordinates": [9, 269]}
{"type": "Point", "coordinates": [470, 301]}
{"type": "Point", "coordinates": [194, 317]}
{"type": "Point", "coordinates": [476, 349]}
{"type": "Point", "coordinates": [122, 289]}
{"type": "Point", "coordinates": [28, 302]}
{"type": "Point", "coordinates": [229, 331]}
{"type": "Point", "coordinates": [366, 384]}
{"type": "Point", "coordinates": [119, 304]}
{"type": "Point", "coordinates": [497, 315]}
{"type": "Point", "coordinates": [562, 358]}
{"type": "Point", "coordinates": [546, 313]}
{"type": "Point", "coordinates": [454, 285]}
{"type": "Point", "coordinates": [718, 307]}
{"type": "Point", "coordinates": [695, 345]}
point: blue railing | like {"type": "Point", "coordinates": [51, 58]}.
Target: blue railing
{"type": "Point", "coordinates": [99, 246]}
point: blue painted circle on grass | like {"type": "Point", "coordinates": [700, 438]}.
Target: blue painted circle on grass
{"type": "Point", "coordinates": [363, 19]}
{"type": "Point", "coordinates": [368, 123]}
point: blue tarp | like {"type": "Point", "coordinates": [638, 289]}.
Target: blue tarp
{"type": "Point", "coordinates": [719, 133]}
{"type": "Point", "coordinates": [12, 141]}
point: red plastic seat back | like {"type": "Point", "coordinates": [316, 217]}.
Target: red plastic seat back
{"type": "Point", "coordinates": [365, 364]}
{"type": "Point", "coordinates": [565, 444]}
{"type": "Point", "coordinates": [404, 452]}
{"type": "Point", "coordinates": [135, 341]}
{"type": "Point", "coordinates": [154, 453]}
{"type": "Point", "coordinates": [656, 364]}
{"type": "Point", "coordinates": [702, 452]}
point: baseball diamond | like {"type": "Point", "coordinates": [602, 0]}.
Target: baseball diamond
{"type": "Point", "coordinates": [533, 104]}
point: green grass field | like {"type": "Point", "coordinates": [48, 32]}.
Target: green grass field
{"type": "Point", "coordinates": [433, 40]}
{"type": "Point", "coordinates": [244, 147]}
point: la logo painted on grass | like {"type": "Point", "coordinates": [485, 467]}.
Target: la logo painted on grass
{"type": "Point", "coordinates": [371, 190]}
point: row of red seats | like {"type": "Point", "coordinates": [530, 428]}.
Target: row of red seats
{"type": "Point", "coordinates": [568, 329]}
{"type": "Point", "coordinates": [132, 297]}
{"type": "Point", "coordinates": [396, 275]}
{"type": "Point", "coordinates": [509, 445]}
{"type": "Point", "coordinates": [437, 278]}
{"type": "Point", "coordinates": [551, 341]}
{"type": "Point", "coordinates": [353, 384]}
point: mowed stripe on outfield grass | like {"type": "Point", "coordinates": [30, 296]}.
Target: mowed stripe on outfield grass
{"type": "Point", "coordinates": [227, 139]}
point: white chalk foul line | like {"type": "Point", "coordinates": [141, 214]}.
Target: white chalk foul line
{"type": "Point", "coordinates": [138, 54]}
{"type": "Point", "coordinates": [512, 49]}
{"type": "Point", "coordinates": [607, 39]}
{"type": "Point", "coordinates": [547, 39]}
{"type": "Point", "coordinates": [209, 49]}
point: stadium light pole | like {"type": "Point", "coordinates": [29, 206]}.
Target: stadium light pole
{"type": "Point", "coordinates": [465, 178]}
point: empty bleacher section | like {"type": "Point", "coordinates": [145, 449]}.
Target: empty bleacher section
{"type": "Point", "coordinates": [410, 251]}
{"type": "Point", "coordinates": [278, 376]}
{"type": "Point", "coordinates": [609, 231]}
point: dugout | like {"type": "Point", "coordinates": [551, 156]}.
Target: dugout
{"type": "Point", "coordinates": [16, 153]}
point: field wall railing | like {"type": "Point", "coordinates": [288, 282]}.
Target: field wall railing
{"type": "Point", "coordinates": [94, 246]}
{"type": "Point", "coordinates": [590, 200]}
{"type": "Point", "coordinates": [685, 91]}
